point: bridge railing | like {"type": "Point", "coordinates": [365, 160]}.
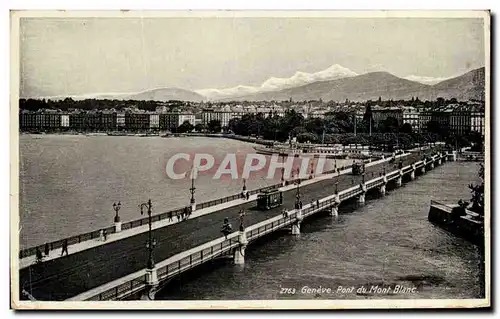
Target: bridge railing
{"type": "Point", "coordinates": [220, 246]}
{"type": "Point", "coordinates": [95, 234]}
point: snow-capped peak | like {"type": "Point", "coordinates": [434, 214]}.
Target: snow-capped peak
{"type": "Point", "coordinates": [274, 84]}
{"type": "Point", "coordinates": [426, 79]}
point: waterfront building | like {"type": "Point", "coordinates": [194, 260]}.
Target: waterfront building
{"type": "Point", "coordinates": [137, 121]}
{"type": "Point", "coordinates": [411, 116]}
{"type": "Point", "coordinates": [183, 117]}
{"type": "Point", "coordinates": [65, 121]}
{"type": "Point", "coordinates": [93, 121]}
{"type": "Point", "coordinates": [380, 114]}
{"type": "Point", "coordinates": [477, 120]}
{"type": "Point", "coordinates": [39, 121]}
{"type": "Point", "coordinates": [154, 121]}
{"type": "Point", "coordinates": [223, 116]}
{"type": "Point", "coordinates": [120, 121]}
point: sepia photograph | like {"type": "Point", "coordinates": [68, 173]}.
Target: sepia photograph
{"type": "Point", "coordinates": [250, 159]}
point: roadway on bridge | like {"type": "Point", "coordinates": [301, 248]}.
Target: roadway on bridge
{"type": "Point", "coordinates": [68, 276]}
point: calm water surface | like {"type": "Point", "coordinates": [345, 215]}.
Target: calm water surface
{"type": "Point", "coordinates": [69, 183]}
{"type": "Point", "coordinates": [386, 242]}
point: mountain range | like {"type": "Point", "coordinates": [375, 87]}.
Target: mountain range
{"type": "Point", "coordinates": [371, 86]}
{"type": "Point", "coordinates": [334, 83]}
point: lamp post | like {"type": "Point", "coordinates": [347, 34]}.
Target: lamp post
{"type": "Point", "coordinates": [192, 190]}
{"type": "Point", "coordinates": [151, 243]}
{"type": "Point", "coordinates": [282, 169]}
{"type": "Point", "coordinates": [297, 199]}
{"type": "Point", "coordinates": [242, 215]}
{"type": "Point", "coordinates": [116, 208]}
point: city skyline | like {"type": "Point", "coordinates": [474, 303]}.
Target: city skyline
{"type": "Point", "coordinates": [103, 55]}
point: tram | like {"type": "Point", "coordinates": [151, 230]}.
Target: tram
{"type": "Point", "coordinates": [268, 199]}
{"type": "Point", "coordinates": [358, 168]}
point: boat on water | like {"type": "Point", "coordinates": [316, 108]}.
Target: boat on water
{"type": "Point", "coordinates": [313, 151]}
{"type": "Point", "coordinates": [96, 134]}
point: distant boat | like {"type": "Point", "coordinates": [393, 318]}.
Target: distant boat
{"type": "Point", "coordinates": [310, 151]}
{"type": "Point", "coordinates": [96, 134]}
{"type": "Point", "coordinates": [117, 134]}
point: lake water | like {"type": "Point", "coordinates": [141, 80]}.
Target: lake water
{"type": "Point", "coordinates": [68, 183]}
{"type": "Point", "coordinates": [387, 242]}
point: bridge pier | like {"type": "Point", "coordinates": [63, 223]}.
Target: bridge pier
{"type": "Point", "coordinates": [439, 161]}
{"type": "Point", "coordinates": [296, 224]}
{"type": "Point", "coordinates": [399, 180]}
{"type": "Point", "coordinates": [432, 165]}
{"type": "Point", "coordinates": [361, 199]}
{"type": "Point", "coordinates": [151, 284]}
{"type": "Point", "coordinates": [412, 173]}
{"type": "Point", "coordinates": [382, 190]}
{"type": "Point", "coordinates": [452, 156]}
{"type": "Point", "coordinates": [334, 212]}
{"type": "Point", "coordinates": [422, 170]}
{"type": "Point", "coordinates": [239, 253]}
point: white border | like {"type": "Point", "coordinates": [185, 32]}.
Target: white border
{"type": "Point", "coordinates": [190, 4]}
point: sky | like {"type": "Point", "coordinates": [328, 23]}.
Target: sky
{"type": "Point", "coordinates": [77, 56]}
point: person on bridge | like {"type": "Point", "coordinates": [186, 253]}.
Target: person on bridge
{"type": "Point", "coordinates": [317, 203]}
{"type": "Point", "coordinates": [39, 255]}
{"type": "Point", "coordinates": [47, 250]}
{"type": "Point", "coordinates": [248, 196]}
{"type": "Point", "coordinates": [285, 213]}
{"type": "Point", "coordinates": [64, 247]}
{"type": "Point", "coordinates": [226, 227]}
{"type": "Point", "coordinates": [105, 234]}
{"type": "Point", "coordinates": [169, 216]}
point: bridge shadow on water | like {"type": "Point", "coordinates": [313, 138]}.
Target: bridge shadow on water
{"type": "Point", "coordinates": [256, 250]}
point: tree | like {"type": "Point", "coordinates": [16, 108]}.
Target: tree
{"type": "Point", "coordinates": [434, 127]}
{"type": "Point", "coordinates": [478, 193]}
{"type": "Point", "coordinates": [406, 128]}
{"type": "Point", "coordinates": [200, 127]}
{"type": "Point", "coordinates": [389, 125]}
{"type": "Point", "coordinates": [307, 137]}
{"type": "Point", "coordinates": [368, 117]}
{"type": "Point", "coordinates": [214, 126]}
{"type": "Point", "coordinates": [185, 127]}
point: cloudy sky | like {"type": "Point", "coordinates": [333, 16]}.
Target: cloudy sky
{"type": "Point", "coordinates": [75, 56]}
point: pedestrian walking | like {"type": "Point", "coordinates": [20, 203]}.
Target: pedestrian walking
{"type": "Point", "coordinates": [39, 255]}
{"type": "Point", "coordinates": [226, 227]}
{"type": "Point", "coordinates": [64, 247]}
{"type": "Point", "coordinates": [178, 217]}
{"type": "Point", "coordinates": [169, 216]}
{"type": "Point", "coordinates": [300, 204]}
{"type": "Point", "coordinates": [248, 196]}
{"type": "Point", "coordinates": [317, 203]}
{"type": "Point", "coordinates": [105, 234]}
{"type": "Point", "coordinates": [285, 213]}
{"type": "Point", "coordinates": [47, 250]}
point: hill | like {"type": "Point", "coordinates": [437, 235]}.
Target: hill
{"type": "Point", "coordinates": [371, 86]}
{"type": "Point", "coordinates": [166, 94]}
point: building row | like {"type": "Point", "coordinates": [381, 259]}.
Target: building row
{"type": "Point", "coordinates": [100, 121]}
{"type": "Point", "coordinates": [455, 119]}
